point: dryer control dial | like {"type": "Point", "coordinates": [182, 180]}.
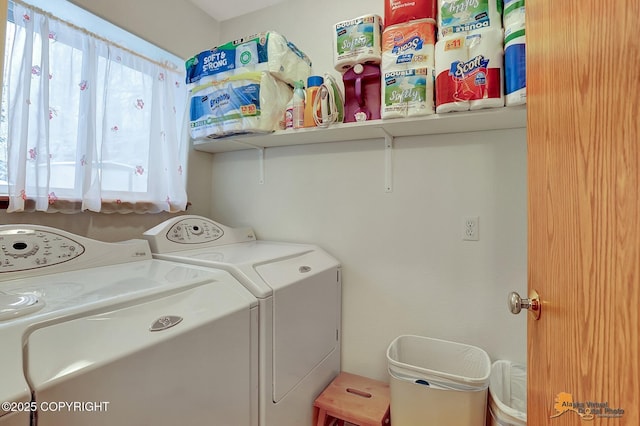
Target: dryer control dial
{"type": "Point", "coordinates": [24, 249]}
{"type": "Point", "coordinates": [194, 231]}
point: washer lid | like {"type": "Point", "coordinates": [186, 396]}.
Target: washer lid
{"type": "Point", "coordinates": [59, 352]}
{"type": "Point", "coordinates": [250, 253]}
{"type": "Point", "coordinates": [241, 260]}
{"type": "Point", "coordinates": [76, 293]}
{"type": "Point", "coordinates": [15, 305]}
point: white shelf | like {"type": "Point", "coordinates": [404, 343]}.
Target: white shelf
{"type": "Point", "coordinates": [454, 122]}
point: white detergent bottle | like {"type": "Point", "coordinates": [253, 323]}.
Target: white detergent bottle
{"type": "Point", "coordinates": [298, 105]}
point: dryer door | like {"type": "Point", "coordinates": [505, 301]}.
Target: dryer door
{"type": "Point", "coordinates": [111, 368]}
{"type": "Point", "coordinates": [306, 317]}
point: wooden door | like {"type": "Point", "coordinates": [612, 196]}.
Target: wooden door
{"type": "Point", "coordinates": [583, 106]}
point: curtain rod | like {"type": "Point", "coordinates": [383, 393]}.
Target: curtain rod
{"type": "Point", "coordinates": [166, 65]}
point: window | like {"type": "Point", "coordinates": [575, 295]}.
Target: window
{"type": "Point", "coordinates": [87, 124]}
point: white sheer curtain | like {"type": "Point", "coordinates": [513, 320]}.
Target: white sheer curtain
{"type": "Point", "coordinates": [91, 126]}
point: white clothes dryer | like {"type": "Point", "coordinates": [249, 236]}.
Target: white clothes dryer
{"type": "Point", "coordinates": [98, 333]}
{"type": "Point", "coordinates": [299, 291]}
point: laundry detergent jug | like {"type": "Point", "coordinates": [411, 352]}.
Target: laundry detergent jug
{"type": "Point", "coordinates": [362, 93]}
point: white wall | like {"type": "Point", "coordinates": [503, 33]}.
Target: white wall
{"type": "Point", "coordinates": [175, 25]}
{"type": "Point", "coordinates": [406, 268]}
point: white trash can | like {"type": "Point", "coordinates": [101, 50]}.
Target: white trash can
{"type": "Point", "coordinates": [508, 394]}
{"type": "Point", "coordinates": [436, 382]}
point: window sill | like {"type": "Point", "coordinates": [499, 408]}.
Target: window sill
{"type": "Point", "coordinates": [115, 206]}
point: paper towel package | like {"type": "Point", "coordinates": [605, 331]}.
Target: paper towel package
{"type": "Point", "coordinates": [515, 67]}
{"type": "Point", "coordinates": [407, 93]}
{"type": "Point", "coordinates": [252, 102]}
{"type": "Point", "coordinates": [409, 45]}
{"type": "Point", "coordinates": [486, 47]}
{"type": "Point", "coordinates": [513, 13]}
{"type": "Point", "coordinates": [266, 51]}
{"type": "Point", "coordinates": [469, 71]}
{"type": "Point", "coordinates": [450, 94]}
{"type": "Point", "coordinates": [401, 11]}
{"type": "Point", "coordinates": [357, 41]}
{"type": "Point", "coordinates": [459, 16]}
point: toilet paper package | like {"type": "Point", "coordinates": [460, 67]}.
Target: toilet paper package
{"type": "Point", "coordinates": [400, 11]}
{"type": "Point", "coordinates": [513, 13]}
{"type": "Point", "coordinates": [449, 88]}
{"type": "Point", "coordinates": [486, 50]}
{"type": "Point", "coordinates": [357, 41]}
{"type": "Point", "coordinates": [409, 45]}
{"type": "Point", "coordinates": [266, 51]}
{"type": "Point", "coordinates": [252, 102]}
{"type": "Point", "coordinates": [459, 16]}
{"type": "Point", "coordinates": [515, 67]}
{"type": "Point", "coordinates": [407, 93]}
{"type": "Point", "coordinates": [469, 71]}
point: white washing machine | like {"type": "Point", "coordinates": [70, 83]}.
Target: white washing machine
{"type": "Point", "coordinates": [96, 333]}
{"type": "Point", "coordinates": [299, 291]}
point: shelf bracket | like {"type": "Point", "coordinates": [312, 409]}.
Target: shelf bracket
{"type": "Point", "coordinates": [260, 150]}
{"type": "Point", "coordinates": [388, 161]}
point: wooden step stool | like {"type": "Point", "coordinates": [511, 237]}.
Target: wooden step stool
{"type": "Point", "coordinates": [355, 399]}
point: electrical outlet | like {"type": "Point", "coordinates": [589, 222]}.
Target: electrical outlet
{"type": "Point", "coordinates": [471, 228]}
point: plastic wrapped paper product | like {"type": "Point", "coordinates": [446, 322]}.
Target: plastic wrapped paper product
{"type": "Point", "coordinates": [266, 51]}
{"type": "Point", "coordinates": [461, 16]}
{"type": "Point", "coordinates": [450, 95]}
{"type": "Point", "coordinates": [515, 66]}
{"type": "Point", "coordinates": [469, 71]}
{"type": "Point", "coordinates": [409, 45]}
{"type": "Point", "coordinates": [252, 102]}
{"type": "Point", "coordinates": [514, 13]}
{"type": "Point", "coordinates": [400, 11]}
{"type": "Point", "coordinates": [357, 41]}
{"type": "Point", "coordinates": [407, 93]}
{"type": "Point", "coordinates": [489, 79]}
